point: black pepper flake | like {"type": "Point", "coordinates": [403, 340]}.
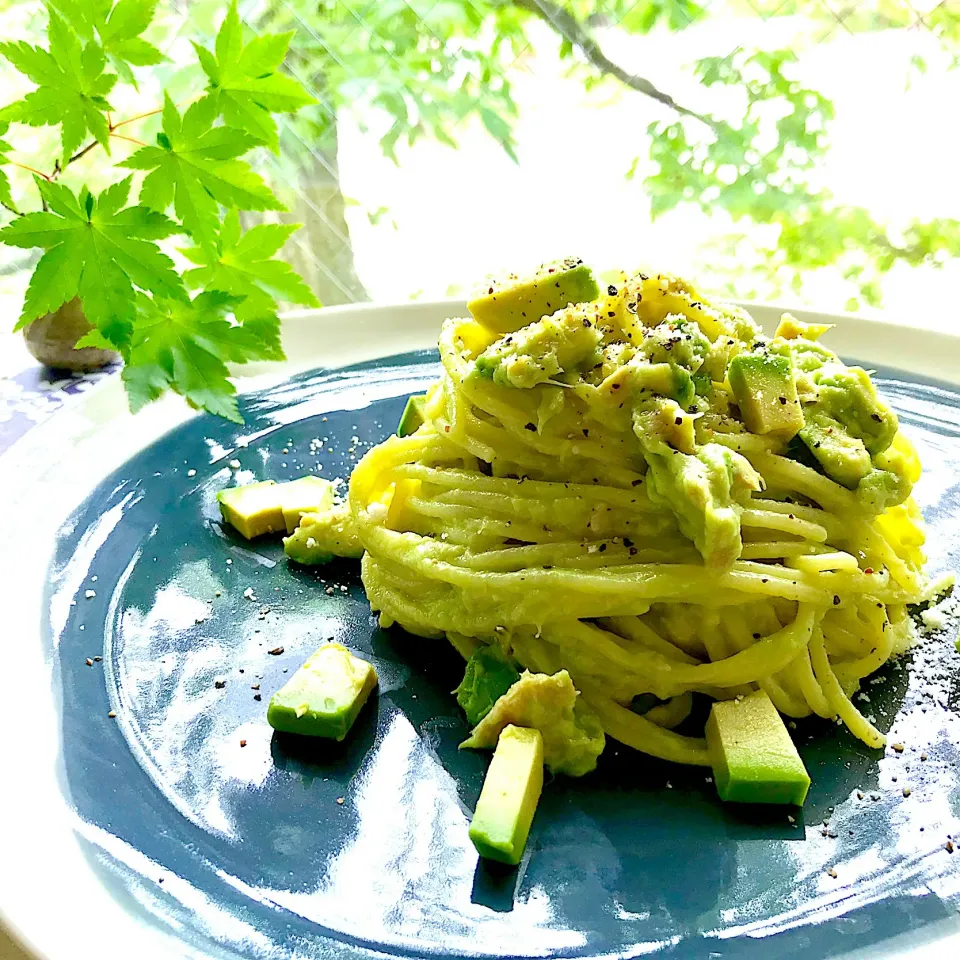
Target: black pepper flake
{"type": "Point", "coordinates": [275, 652]}
{"type": "Point", "coordinates": [876, 417]}
{"type": "Point", "coordinates": [627, 542]}
{"type": "Point", "coordinates": [257, 697]}
{"type": "Point", "coordinates": [220, 684]}
{"type": "Point", "coordinates": [764, 579]}
{"type": "Point", "coordinates": [611, 313]}
{"type": "Point", "coordinates": [678, 420]}
{"type": "Point", "coordinates": [836, 600]}
{"type": "Point", "coordinates": [756, 636]}
{"type": "Point", "coordinates": [614, 386]}
{"type": "Point", "coordinates": [636, 483]}
{"type": "Point", "coordinates": [612, 290]}
{"type": "Point", "coordinates": [603, 547]}
{"type": "Point", "coordinates": [633, 551]}
{"type": "Point", "coordinates": [632, 307]}
{"type": "Point", "coordinates": [586, 432]}
{"type": "Point", "coordinates": [783, 400]}
{"type": "Point", "coordinates": [586, 323]}
{"type": "Point", "coordinates": [530, 426]}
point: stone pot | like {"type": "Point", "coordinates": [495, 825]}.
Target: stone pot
{"type": "Point", "coordinates": [51, 340]}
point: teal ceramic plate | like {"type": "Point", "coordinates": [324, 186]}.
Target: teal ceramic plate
{"type": "Point", "coordinates": [210, 836]}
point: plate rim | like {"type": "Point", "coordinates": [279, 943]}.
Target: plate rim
{"type": "Point", "coordinates": [63, 459]}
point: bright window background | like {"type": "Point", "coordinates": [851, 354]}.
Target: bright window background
{"type": "Point", "coordinates": [459, 137]}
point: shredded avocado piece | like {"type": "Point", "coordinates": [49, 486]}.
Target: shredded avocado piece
{"type": "Point", "coordinates": [850, 432]}
{"type": "Point", "coordinates": [677, 341]}
{"type": "Point", "coordinates": [572, 735]}
{"type": "Point", "coordinates": [488, 676]}
{"type": "Point", "coordinates": [542, 350]}
{"type": "Point", "coordinates": [322, 536]}
{"type": "Point", "coordinates": [703, 488]}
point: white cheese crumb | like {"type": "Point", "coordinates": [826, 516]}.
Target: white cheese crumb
{"type": "Point", "coordinates": [933, 619]}
{"type": "Point", "coordinates": [234, 464]}
{"type": "Point", "coordinates": [90, 594]}
{"type": "Point", "coordinates": [377, 511]}
{"type": "Point", "coordinates": [191, 473]}
{"type": "Point", "coordinates": [311, 543]}
{"type": "Point", "coordinates": [248, 594]}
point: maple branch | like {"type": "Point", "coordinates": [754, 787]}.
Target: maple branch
{"type": "Point", "coordinates": [120, 136]}
{"type": "Point", "coordinates": [579, 35]}
{"type": "Point", "coordinates": [139, 116]}
{"type": "Point", "coordinates": [82, 152]}
{"type": "Point", "coordinates": [23, 166]}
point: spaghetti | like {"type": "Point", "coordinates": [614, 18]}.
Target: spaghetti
{"type": "Point", "coordinates": [533, 517]}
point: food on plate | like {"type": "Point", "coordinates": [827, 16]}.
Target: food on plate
{"type": "Point", "coordinates": [508, 800]}
{"type": "Point", "coordinates": [753, 758]}
{"type": "Point", "coordinates": [322, 536]}
{"type": "Point", "coordinates": [253, 510]}
{"type": "Point", "coordinates": [616, 503]}
{"type": "Point", "coordinates": [323, 698]}
{"type": "Point", "coordinates": [515, 301]}
{"type": "Point", "coordinates": [412, 418]}
{"type": "Point", "coordinates": [256, 509]}
{"type": "Point", "coordinates": [306, 495]}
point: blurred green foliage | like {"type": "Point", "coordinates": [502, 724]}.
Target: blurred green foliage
{"type": "Point", "coordinates": [430, 66]}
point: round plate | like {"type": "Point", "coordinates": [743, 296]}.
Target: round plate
{"type": "Point", "coordinates": [158, 814]}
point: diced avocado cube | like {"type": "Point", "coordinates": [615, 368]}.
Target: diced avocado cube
{"type": "Point", "coordinates": [306, 495]}
{"type": "Point", "coordinates": [843, 458]}
{"type": "Point", "coordinates": [253, 510]}
{"type": "Point", "coordinates": [513, 303]}
{"type": "Point", "coordinates": [488, 676]}
{"type": "Point", "coordinates": [323, 698]}
{"type": "Point", "coordinates": [765, 389]}
{"type": "Point", "coordinates": [753, 758]}
{"type": "Point", "coordinates": [413, 415]}
{"type": "Point", "coordinates": [508, 800]}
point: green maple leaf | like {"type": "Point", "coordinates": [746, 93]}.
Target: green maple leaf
{"type": "Point", "coordinates": [6, 197]}
{"type": "Point", "coordinates": [245, 82]}
{"type": "Point", "coordinates": [195, 166]}
{"type": "Point", "coordinates": [118, 27]}
{"type": "Point", "coordinates": [71, 86]}
{"type": "Point", "coordinates": [186, 346]}
{"type": "Point", "coordinates": [242, 265]}
{"type": "Point", "coordinates": [96, 249]}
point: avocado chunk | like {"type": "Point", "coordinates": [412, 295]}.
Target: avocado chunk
{"type": "Point", "coordinates": [514, 302]}
{"type": "Point", "coordinates": [843, 458]}
{"type": "Point", "coordinates": [267, 507]}
{"type": "Point", "coordinates": [572, 735]}
{"type": "Point", "coordinates": [765, 389]}
{"type": "Point", "coordinates": [508, 800]}
{"type": "Point", "coordinates": [488, 676]}
{"type": "Point", "coordinates": [322, 536]}
{"type": "Point", "coordinates": [753, 758]}
{"type": "Point", "coordinates": [552, 345]}
{"type": "Point", "coordinates": [306, 495]}
{"type": "Point", "coordinates": [323, 698]}
{"type": "Point", "coordinates": [253, 509]}
{"type": "Point", "coordinates": [846, 394]}
{"type": "Point", "coordinates": [413, 415]}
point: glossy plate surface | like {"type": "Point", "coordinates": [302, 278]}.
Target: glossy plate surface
{"type": "Point", "coordinates": [204, 826]}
